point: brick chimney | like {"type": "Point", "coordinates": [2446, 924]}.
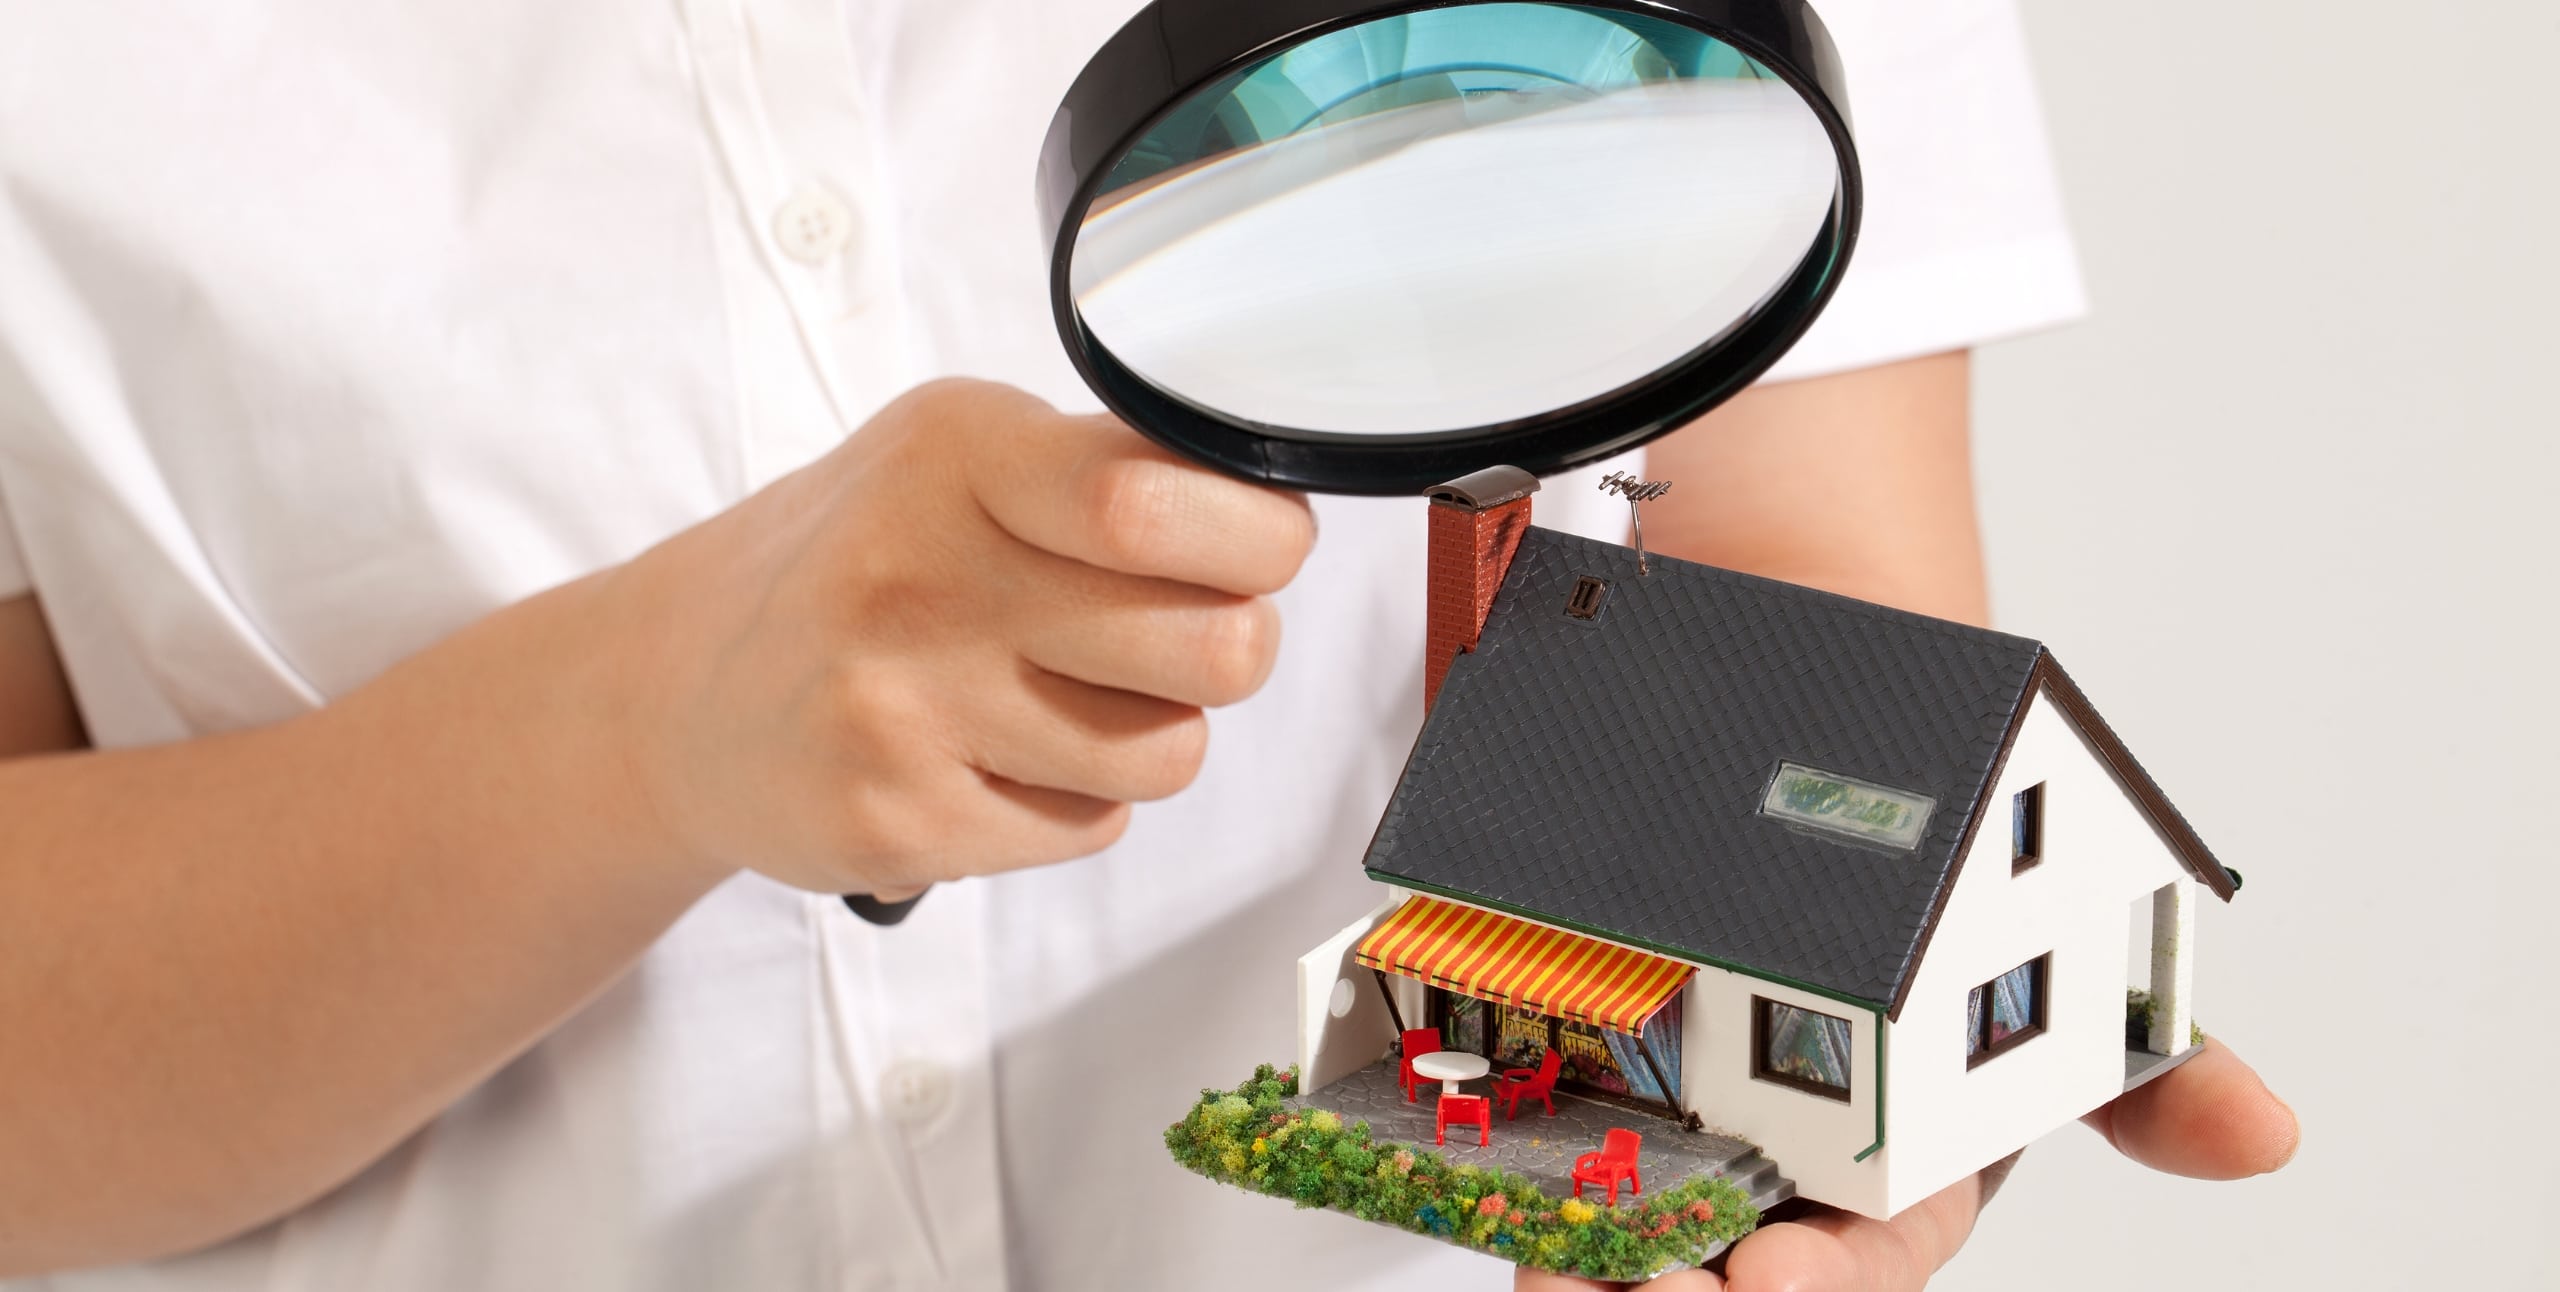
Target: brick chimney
{"type": "Point", "coordinates": [1476, 524]}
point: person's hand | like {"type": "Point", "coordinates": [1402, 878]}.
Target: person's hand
{"type": "Point", "coordinates": [962, 642]}
{"type": "Point", "coordinates": [2210, 1118]}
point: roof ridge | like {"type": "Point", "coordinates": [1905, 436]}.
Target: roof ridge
{"type": "Point", "coordinates": [1765, 584]}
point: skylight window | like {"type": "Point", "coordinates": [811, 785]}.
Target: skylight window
{"type": "Point", "coordinates": [1845, 806]}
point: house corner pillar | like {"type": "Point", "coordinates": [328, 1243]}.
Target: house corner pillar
{"type": "Point", "coordinates": [2173, 973]}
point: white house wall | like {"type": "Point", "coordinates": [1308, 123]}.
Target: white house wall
{"type": "Point", "coordinates": [1343, 1024]}
{"type": "Point", "coordinates": [1945, 1121]}
{"type": "Point", "coordinates": [1814, 1140]}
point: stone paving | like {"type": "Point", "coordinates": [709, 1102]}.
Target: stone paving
{"type": "Point", "coordinates": [1538, 1146]}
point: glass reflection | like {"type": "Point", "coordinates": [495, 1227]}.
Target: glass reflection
{"type": "Point", "coordinates": [1451, 219]}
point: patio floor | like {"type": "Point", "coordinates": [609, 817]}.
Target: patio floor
{"type": "Point", "coordinates": [1542, 1147]}
{"type": "Point", "coordinates": [2142, 1065]}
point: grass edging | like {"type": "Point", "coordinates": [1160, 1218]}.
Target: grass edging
{"type": "Point", "coordinates": [1247, 1138]}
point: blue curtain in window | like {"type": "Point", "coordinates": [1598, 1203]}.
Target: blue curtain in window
{"type": "Point", "coordinates": [1662, 1037]}
{"type": "Point", "coordinates": [1814, 1047]}
{"type": "Point", "coordinates": [2013, 1002]}
{"type": "Point", "coordinates": [2010, 1003]}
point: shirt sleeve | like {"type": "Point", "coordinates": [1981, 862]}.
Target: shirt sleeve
{"type": "Point", "coordinates": [14, 580]}
{"type": "Point", "coordinates": [1963, 239]}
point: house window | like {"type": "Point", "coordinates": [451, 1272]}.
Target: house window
{"type": "Point", "coordinates": [2005, 1011]}
{"type": "Point", "coordinates": [1797, 1047]}
{"type": "Point", "coordinates": [2026, 828]}
{"type": "Point", "coordinates": [1850, 808]}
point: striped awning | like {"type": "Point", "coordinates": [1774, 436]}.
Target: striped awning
{"type": "Point", "coordinates": [1497, 958]}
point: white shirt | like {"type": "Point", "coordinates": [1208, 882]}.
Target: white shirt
{"type": "Point", "coordinates": [328, 327]}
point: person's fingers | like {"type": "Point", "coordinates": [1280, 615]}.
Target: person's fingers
{"type": "Point", "coordinates": [1525, 1279]}
{"type": "Point", "coordinates": [1529, 1280]}
{"type": "Point", "coordinates": [1046, 825]}
{"type": "Point", "coordinates": [1829, 1250]}
{"type": "Point", "coordinates": [1175, 641]}
{"type": "Point", "coordinates": [962, 821]}
{"type": "Point", "coordinates": [1052, 732]}
{"type": "Point", "coordinates": [1684, 1281]}
{"type": "Point", "coordinates": [1794, 1257]}
{"type": "Point", "coordinates": [1092, 490]}
{"type": "Point", "coordinates": [2210, 1117]}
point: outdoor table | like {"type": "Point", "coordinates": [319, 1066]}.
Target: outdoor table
{"type": "Point", "coordinates": [1449, 1067]}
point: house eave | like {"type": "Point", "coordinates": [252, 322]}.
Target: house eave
{"type": "Point", "coordinates": [1684, 954]}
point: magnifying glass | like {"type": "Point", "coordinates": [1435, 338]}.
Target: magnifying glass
{"type": "Point", "coordinates": [1365, 248]}
{"type": "Point", "coordinates": [1368, 247]}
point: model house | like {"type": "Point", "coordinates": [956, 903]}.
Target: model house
{"type": "Point", "coordinates": [1863, 888]}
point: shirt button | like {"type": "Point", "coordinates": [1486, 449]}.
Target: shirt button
{"type": "Point", "coordinates": [915, 1090]}
{"type": "Point", "coordinates": [813, 226]}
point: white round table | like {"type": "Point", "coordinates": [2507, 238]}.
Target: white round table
{"type": "Point", "coordinates": [1449, 1067]}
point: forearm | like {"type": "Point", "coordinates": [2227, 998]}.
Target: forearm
{"type": "Point", "coordinates": [237, 969]}
{"type": "Point", "coordinates": [1859, 483]}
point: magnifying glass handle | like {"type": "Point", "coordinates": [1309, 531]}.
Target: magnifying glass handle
{"type": "Point", "coordinates": [879, 912]}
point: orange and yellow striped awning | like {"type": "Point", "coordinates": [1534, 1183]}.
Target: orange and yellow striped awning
{"type": "Point", "coordinates": [1497, 958]}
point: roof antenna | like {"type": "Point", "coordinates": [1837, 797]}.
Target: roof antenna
{"type": "Point", "coordinates": [1635, 491]}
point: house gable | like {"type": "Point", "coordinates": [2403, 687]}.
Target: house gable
{"type": "Point", "coordinates": [1949, 1112]}
{"type": "Point", "coordinates": [2049, 684]}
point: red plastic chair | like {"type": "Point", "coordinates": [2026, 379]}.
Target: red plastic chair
{"type": "Point", "coordinates": [1615, 1161]}
{"type": "Point", "coordinates": [1418, 1042]}
{"type": "Point", "coordinates": [1474, 1110]}
{"type": "Point", "coordinates": [1516, 1084]}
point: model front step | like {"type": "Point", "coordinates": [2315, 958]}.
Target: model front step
{"type": "Point", "coordinates": [1758, 1178]}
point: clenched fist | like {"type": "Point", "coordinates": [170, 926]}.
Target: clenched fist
{"type": "Point", "coordinates": [962, 642]}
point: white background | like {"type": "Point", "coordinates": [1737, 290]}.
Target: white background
{"type": "Point", "coordinates": [2285, 506]}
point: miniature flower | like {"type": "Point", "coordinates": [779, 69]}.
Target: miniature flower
{"type": "Point", "coordinates": [1576, 1212]}
{"type": "Point", "coordinates": [1261, 1146]}
{"type": "Point", "coordinates": [1404, 1162]}
{"type": "Point", "coordinates": [1702, 1211]}
{"type": "Point", "coordinates": [1494, 1204]}
{"type": "Point", "coordinates": [1515, 1217]}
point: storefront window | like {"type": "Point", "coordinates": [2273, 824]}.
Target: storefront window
{"type": "Point", "coordinates": [1595, 1058]}
{"type": "Point", "coordinates": [1462, 1022]}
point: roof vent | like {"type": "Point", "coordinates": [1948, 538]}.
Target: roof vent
{"type": "Point", "coordinates": [1589, 593]}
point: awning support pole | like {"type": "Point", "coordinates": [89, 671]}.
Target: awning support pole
{"type": "Point", "coordinates": [1645, 1047]}
{"type": "Point", "coordinates": [1390, 993]}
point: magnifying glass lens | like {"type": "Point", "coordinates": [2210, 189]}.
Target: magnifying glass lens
{"type": "Point", "coordinates": [1449, 219]}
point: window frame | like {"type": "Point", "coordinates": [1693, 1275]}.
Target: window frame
{"type": "Point", "coordinates": [2026, 829]}
{"type": "Point", "coordinates": [2036, 1026]}
{"type": "Point", "coordinates": [1761, 1007]}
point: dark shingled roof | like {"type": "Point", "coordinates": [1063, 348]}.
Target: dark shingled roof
{"type": "Point", "coordinates": [1606, 775]}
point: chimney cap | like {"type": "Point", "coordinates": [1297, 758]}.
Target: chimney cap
{"type": "Point", "coordinates": [1490, 487]}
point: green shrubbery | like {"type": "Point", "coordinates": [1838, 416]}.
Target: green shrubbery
{"type": "Point", "coordinates": [2138, 1008]}
{"type": "Point", "coordinates": [1245, 1137]}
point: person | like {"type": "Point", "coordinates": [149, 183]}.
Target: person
{"type": "Point", "coordinates": [485, 560]}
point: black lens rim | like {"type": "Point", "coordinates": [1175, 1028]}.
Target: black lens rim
{"type": "Point", "coordinates": [1174, 48]}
